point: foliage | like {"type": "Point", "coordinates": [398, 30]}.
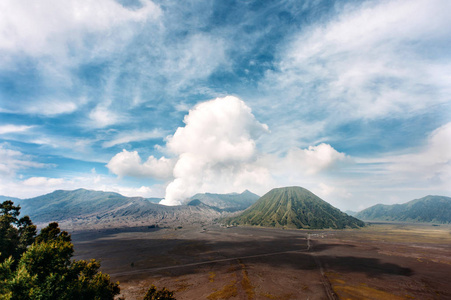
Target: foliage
{"type": "Point", "coordinates": [15, 234]}
{"type": "Point", "coordinates": [40, 267]}
{"type": "Point", "coordinates": [154, 294]}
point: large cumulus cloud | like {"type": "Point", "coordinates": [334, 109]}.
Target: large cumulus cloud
{"type": "Point", "coordinates": [215, 149]}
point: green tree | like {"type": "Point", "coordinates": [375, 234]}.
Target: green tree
{"type": "Point", "coordinates": [40, 266]}
{"type": "Point", "coordinates": [15, 234]}
{"type": "Point", "coordinates": [45, 270]}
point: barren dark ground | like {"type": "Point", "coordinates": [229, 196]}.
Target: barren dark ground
{"type": "Point", "coordinates": [382, 261]}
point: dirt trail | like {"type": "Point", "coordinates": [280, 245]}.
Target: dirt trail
{"type": "Point", "coordinates": [325, 282]}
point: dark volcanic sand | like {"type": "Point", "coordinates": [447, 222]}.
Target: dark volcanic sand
{"type": "Point", "coordinates": [382, 261]}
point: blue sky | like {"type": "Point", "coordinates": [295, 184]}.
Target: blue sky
{"type": "Point", "coordinates": [351, 100]}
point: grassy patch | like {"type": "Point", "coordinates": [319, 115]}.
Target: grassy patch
{"type": "Point", "coordinates": [411, 233]}
{"type": "Point", "coordinates": [211, 276]}
{"type": "Point", "coordinates": [360, 291]}
{"type": "Point", "coordinates": [247, 286]}
{"type": "Point", "coordinates": [226, 292]}
{"type": "Point", "coordinates": [363, 292]}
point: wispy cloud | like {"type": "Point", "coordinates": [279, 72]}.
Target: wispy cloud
{"type": "Point", "coordinates": [59, 40]}
{"type": "Point", "coordinates": [12, 160]}
{"type": "Point", "coordinates": [103, 116]}
{"type": "Point", "coordinates": [134, 136]}
{"type": "Point", "coordinates": [372, 60]}
{"type": "Point", "coordinates": [10, 128]}
{"type": "Point", "coordinates": [429, 165]}
{"type": "Point", "coordinates": [52, 27]}
{"type": "Point", "coordinates": [194, 58]}
{"type": "Point", "coordinates": [51, 107]}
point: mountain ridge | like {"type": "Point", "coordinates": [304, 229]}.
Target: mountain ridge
{"type": "Point", "coordinates": [230, 202]}
{"type": "Point", "coordinates": [429, 209]}
{"type": "Point", "coordinates": [84, 208]}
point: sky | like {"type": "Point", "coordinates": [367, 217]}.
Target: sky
{"type": "Point", "coordinates": [349, 99]}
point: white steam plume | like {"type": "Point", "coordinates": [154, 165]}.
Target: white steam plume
{"type": "Point", "coordinates": [215, 149]}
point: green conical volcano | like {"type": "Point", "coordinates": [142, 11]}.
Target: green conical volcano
{"type": "Point", "coordinates": [294, 207]}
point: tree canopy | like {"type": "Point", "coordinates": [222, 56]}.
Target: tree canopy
{"type": "Point", "coordinates": [40, 266]}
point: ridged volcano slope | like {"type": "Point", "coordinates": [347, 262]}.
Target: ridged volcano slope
{"type": "Point", "coordinates": [294, 207]}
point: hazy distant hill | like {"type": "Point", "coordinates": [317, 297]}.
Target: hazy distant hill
{"type": "Point", "coordinates": [436, 209]}
{"type": "Point", "coordinates": [350, 212]}
{"type": "Point", "coordinates": [15, 200]}
{"type": "Point", "coordinates": [61, 205]}
{"type": "Point", "coordinates": [294, 207]}
{"type": "Point", "coordinates": [86, 208]}
{"type": "Point", "coordinates": [228, 202]}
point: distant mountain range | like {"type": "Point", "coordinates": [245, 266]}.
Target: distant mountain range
{"type": "Point", "coordinates": [291, 207]}
{"type": "Point", "coordinates": [4, 198]}
{"type": "Point", "coordinates": [435, 209]}
{"type": "Point", "coordinates": [228, 202]}
{"type": "Point", "coordinates": [95, 209]}
{"type": "Point", "coordinates": [294, 207]}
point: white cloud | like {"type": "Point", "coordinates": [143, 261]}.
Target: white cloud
{"type": "Point", "coordinates": [44, 107]}
{"type": "Point", "coordinates": [43, 181]}
{"type": "Point", "coordinates": [336, 195]}
{"type": "Point", "coordinates": [58, 39]}
{"type": "Point", "coordinates": [432, 164]}
{"type": "Point", "coordinates": [36, 186]}
{"type": "Point", "coordinates": [102, 116]}
{"type": "Point", "coordinates": [315, 158]}
{"type": "Point", "coordinates": [375, 59]}
{"type": "Point", "coordinates": [51, 107]}
{"type": "Point", "coordinates": [225, 125]}
{"type": "Point", "coordinates": [215, 149]}
{"type": "Point", "coordinates": [10, 128]}
{"type": "Point", "coordinates": [133, 136]}
{"type": "Point", "coordinates": [11, 161]}
{"type": "Point", "coordinates": [325, 190]}
{"type": "Point", "coordinates": [305, 167]}
{"type": "Point", "coordinates": [396, 178]}
{"type": "Point", "coordinates": [49, 26]}
{"type": "Point", "coordinates": [128, 163]}
{"type": "Point", "coordinates": [320, 169]}
{"type": "Point", "coordinates": [142, 191]}
{"type": "Point", "coordinates": [193, 58]}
